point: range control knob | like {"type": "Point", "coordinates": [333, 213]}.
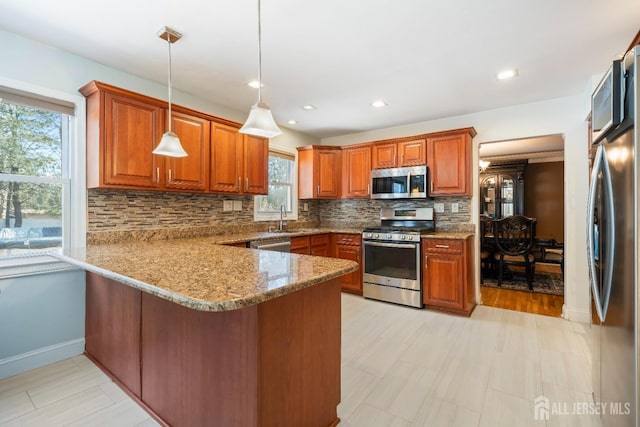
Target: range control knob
{"type": "Point", "coordinates": [403, 237]}
{"type": "Point", "coordinates": [376, 235]}
{"type": "Point", "coordinates": [410, 237]}
{"type": "Point", "coordinates": [389, 236]}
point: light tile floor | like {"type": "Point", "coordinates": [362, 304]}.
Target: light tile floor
{"type": "Point", "coordinates": [400, 367]}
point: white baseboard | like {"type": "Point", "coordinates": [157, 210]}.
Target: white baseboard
{"type": "Point", "coordinates": [575, 315]}
{"type": "Point", "coordinates": [24, 362]}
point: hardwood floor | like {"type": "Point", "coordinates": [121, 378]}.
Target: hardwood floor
{"type": "Point", "coordinates": [400, 367]}
{"type": "Point", "coordinates": [527, 302]}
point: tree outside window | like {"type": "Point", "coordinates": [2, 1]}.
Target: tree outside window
{"type": "Point", "coordinates": [282, 190]}
{"type": "Point", "coordinates": [31, 172]}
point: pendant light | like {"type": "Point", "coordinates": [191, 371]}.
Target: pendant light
{"type": "Point", "coordinates": [170, 143]}
{"type": "Point", "coordinates": [260, 121]}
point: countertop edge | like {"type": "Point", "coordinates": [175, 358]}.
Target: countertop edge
{"type": "Point", "coordinates": [201, 305]}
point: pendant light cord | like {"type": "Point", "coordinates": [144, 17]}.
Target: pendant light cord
{"type": "Point", "coordinates": [259, 55]}
{"type": "Point", "coordinates": [169, 41]}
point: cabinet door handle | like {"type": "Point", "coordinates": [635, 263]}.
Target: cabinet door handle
{"type": "Point", "coordinates": [157, 174]}
{"type": "Point", "coordinates": [318, 190]}
{"type": "Point", "coordinates": [442, 246]}
{"type": "Point", "coordinates": [368, 188]}
{"type": "Point", "coordinates": [426, 258]}
{"type": "Point", "coordinates": [401, 158]}
{"type": "Point", "coordinates": [169, 175]}
{"type": "Point", "coordinates": [239, 183]}
{"type": "Point", "coordinates": [246, 184]}
{"type": "Point", "coordinates": [432, 186]}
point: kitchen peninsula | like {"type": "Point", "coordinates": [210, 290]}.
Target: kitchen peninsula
{"type": "Point", "coordinates": [205, 334]}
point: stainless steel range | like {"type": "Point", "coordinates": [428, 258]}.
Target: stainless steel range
{"type": "Point", "coordinates": [392, 255]}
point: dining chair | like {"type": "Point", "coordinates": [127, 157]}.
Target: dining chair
{"type": "Point", "coordinates": [514, 238]}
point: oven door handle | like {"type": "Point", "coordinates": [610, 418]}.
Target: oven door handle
{"type": "Point", "coordinates": [392, 245]}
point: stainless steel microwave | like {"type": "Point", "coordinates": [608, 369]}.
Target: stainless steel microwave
{"type": "Point", "coordinates": [399, 183]}
{"type": "Point", "coordinates": [607, 102]}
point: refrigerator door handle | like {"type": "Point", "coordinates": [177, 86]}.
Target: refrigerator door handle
{"type": "Point", "coordinates": [601, 165]}
{"type": "Point", "coordinates": [610, 236]}
{"type": "Point", "coordinates": [591, 207]}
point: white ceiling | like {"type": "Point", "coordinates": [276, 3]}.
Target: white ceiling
{"type": "Point", "coordinates": [539, 147]}
{"type": "Point", "coordinates": [427, 59]}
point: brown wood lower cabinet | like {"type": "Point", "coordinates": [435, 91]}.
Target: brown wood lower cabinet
{"type": "Point", "coordinates": [300, 245]}
{"type": "Point", "coordinates": [272, 364]}
{"type": "Point", "coordinates": [447, 275]}
{"type": "Point", "coordinates": [112, 329]}
{"type": "Point", "coordinates": [349, 246]}
{"type": "Point", "coordinates": [316, 244]}
{"type": "Point", "coordinates": [320, 244]}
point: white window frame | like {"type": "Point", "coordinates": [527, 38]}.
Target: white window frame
{"type": "Point", "coordinates": [73, 180]}
{"type": "Point", "coordinates": [293, 214]}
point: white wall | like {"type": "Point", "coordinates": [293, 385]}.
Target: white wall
{"type": "Point", "coordinates": [557, 116]}
{"type": "Point", "coordinates": [35, 63]}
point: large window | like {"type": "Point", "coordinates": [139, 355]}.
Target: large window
{"type": "Point", "coordinates": [34, 179]}
{"type": "Point", "coordinates": [282, 189]}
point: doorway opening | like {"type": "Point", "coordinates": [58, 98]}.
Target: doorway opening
{"type": "Point", "coordinates": [522, 261]}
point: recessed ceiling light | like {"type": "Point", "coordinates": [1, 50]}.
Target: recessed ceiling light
{"type": "Point", "coordinates": [308, 107]}
{"type": "Point", "coordinates": [292, 122]}
{"type": "Point", "coordinates": [255, 84]}
{"type": "Point", "coordinates": [379, 104]}
{"type": "Point", "coordinates": [507, 74]}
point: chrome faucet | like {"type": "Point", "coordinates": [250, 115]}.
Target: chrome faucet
{"type": "Point", "coordinates": [283, 214]}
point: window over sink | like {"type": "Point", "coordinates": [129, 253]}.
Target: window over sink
{"type": "Point", "coordinates": [282, 188]}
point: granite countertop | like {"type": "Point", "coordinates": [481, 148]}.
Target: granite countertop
{"type": "Point", "coordinates": [238, 238]}
{"type": "Point", "coordinates": [248, 237]}
{"type": "Point", "coordinates": [204, 275]}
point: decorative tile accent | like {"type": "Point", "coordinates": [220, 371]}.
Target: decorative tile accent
{"type": "Point", "coordinates": [123, 215]}
{"type": "Point", "coordinates": [335, 213]}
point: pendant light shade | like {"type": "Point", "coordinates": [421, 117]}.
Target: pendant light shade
{"type": "Point", "coordinates": [260, 121]}
{"type": "Point", "coordinates": [170, 143]}
{"type": "Point", "coordinates": [170, 146]}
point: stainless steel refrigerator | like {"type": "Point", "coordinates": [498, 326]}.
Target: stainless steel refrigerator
{"type": "Point", "coordinates": [613, 240]}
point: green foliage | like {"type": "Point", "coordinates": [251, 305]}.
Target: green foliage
{"type": "Point", "coordinates": [30, 144]}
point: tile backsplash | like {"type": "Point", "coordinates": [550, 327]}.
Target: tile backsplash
{"type": "Point", "coordinates": [336, 213]}
{"type": "Point", "coordinates": [122, 214]}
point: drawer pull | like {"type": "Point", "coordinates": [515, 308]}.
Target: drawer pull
{"type": "Point", "coordinates": [442, 246]}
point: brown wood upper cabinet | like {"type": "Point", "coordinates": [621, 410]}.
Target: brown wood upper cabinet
{"type": "Point", "coordinates": [191, 172]}
{"type": "Point", "coordinates": [122, 131]}
{"type": "Point", "coordinates": [318, 172]}
{"type": "Point", "coordinates": [124, 127]}
{"type": "Point", "coordinates": [356, 172]}
{"type": "Point", "coordinates": [400, 153]}
{"type": "Point", "coordinates": [449, 162]}
{"type": "Point", "coordinates": [239, 163]}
